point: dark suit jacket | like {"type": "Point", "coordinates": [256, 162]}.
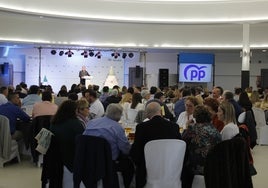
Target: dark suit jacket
{"type": "Point", "coordinates": [154, 129]}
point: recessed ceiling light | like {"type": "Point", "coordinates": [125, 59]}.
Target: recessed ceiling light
{"type": "Point", "coordinates": [264, 50]}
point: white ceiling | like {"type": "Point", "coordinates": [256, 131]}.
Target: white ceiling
{"type": "Point", "coordinates": [139, 24]}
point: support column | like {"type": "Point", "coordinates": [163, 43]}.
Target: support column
{"type": "Point", "coordinates": [143, 60]}
{"type": "Point", "coordinates": [39, 74]}
{"type": "Point", "coordinates": [245, 58]}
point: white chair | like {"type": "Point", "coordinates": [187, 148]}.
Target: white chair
{"type": "Point", "coordinates": [164, 161]}
{"type": "Point", "coordinates": [199, 182]}
{"type": "Point", "coordinates": [131, 114]}
{"type": "Point", "coordinates": [261, 127]}
{"type": "Point", "coordinates": [8, 148]}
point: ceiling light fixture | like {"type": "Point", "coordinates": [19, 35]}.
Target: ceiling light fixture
{"type": "Point", "coordinates": [61, 53]}
{"type": "Point", "coordinates": [98, 55]}
{"type": "Point", "coordinates": [85, 54]}
{"type": "Point", "coordinates": [69, 53]}
{"type": "Point", "coordinates": [130, 55]}
{"type": "Point", "coordinates": [91, 53]}
{"type": "Point", "coordinates": [53, 52]}
{"type": "Point", "coordinates": [124, 55]}
{"type": "Point", "coordinates": [115, 55]}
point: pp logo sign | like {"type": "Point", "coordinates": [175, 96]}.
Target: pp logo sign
{"type": "Point", "coordinates": [193, 72]}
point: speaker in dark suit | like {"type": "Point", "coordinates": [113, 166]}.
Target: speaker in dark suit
{"type": "Point", "coordinates": [163, 78]}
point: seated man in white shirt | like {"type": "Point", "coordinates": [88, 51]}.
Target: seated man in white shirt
{"type": "Point", "coordinates": [96, 107]}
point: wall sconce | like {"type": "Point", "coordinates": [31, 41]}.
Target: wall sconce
{"type": "Point", "coordinates": [91, 53]}
{"type": "Point", "coordinates": [61, 53]}
{"type": "Point", "coordinates": [53, 52]}
{"type": "Point", "coordinates": [85, 54]}
{"type": "Point", "coordinates": [69, 53]}
{"type": "Point", "coordinates": [98, 55]}
{"type": "Point", "coordinates": [130, 55]}
{"type": "Point", "coordinates": [115, 55]}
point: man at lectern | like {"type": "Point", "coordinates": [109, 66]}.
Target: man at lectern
{"type": "Point", "coordinates": [83, 73]}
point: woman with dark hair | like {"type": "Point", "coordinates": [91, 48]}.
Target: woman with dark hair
{"type": "Point", "coordinates": [200, 138]}
{"type": "Point", "coordinates": [65, 126]}
{"type": "Point", "coordinates": [244, 101]}
{"type": "Point", "coordinates": [137, 102]}
{"type": "Point", "coordinates": [248, 118]}
{"type": "Point", "coordinates": [212, 106]}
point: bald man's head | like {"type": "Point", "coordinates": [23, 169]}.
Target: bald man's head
{"type": "Point", "coordinates": [152, 109]}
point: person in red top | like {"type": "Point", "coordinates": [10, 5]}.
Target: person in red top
{"type": "Point", "coordinates": [212, 105]}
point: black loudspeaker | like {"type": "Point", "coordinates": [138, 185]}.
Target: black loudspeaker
{"type": "Point", "coordinates": [138, 71]}
{"type": "Point", "coordinates": [163, 78]}
{"type": "Point", "coordinates": [244, 79]}
{"type": "Point", "coordinates": [264, 78]}
{"type": "Point", "coordinates": [5, 67]}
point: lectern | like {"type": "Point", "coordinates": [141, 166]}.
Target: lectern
{"type": "Point", "coordinates": [87, 80]}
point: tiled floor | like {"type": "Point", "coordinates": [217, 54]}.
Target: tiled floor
{"type": "Point", "coordinates": [27, 175]}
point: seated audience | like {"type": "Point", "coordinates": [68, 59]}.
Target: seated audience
{"type": "Point", "coordinates": [125, 103]}
{"type": "Point", "coordinates": [113, 98]}
{"type": "Point", "coordinates": [3, 95]}
{"type": "Point", "coordinates": [105, 94]}
{"type": "Point", "coordinates": [155, 128]}
{"type": "Point", "coordinates": [73, 96]}
{"type": "Point", "coordinates": [255, 99]}
{"type": "Point", "coordinates": [186, 117]}
{"type": "Point", "coordinates": [83, 111]}
{"type": "Point", "coordinates": [96, 107]}
{"type": "Point", "coordinates": [145, 94]}
{"type": "Point", "coordinates": [62, 96]}
{"type": "Point", "coordinates": [212, 106]}
{"type": "Point", "coordinates": [13, 112]}
{"type": "Point", "coordinates": [18, 90]}
{"type": "Point", "coordinates": [226, 113]}
{"type": "Point", "coordinates": [46, 107]}
{"type": "Point", "coordinates": [136, 102]}
{"type": "Point", "coordinates": [108, 128]}
{"type": "Point", "coordinates": [179, 106]}
{"type": "Point", "coordinates": [160, 98]}
{"type": "Point", "coordinates": [217, 92]}
{"type": "Point", "coordinates": [32, 97]}
{"type": "Point", "coordinates": [264, 103]}
{"type": "Point", "coordinates": [200, 137]}
{"type": "Point", "coordinates": [229, 96]}
{"type": "Point", "coordinates": [66, 126]}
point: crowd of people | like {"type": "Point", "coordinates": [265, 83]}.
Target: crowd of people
{"type": "Point", "coordinates": [199, 117]}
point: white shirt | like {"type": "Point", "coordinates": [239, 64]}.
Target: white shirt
{"type": "Point", "coordinates": [183, 118]}
{"type": "Point", "coordinates": [3, 99]}
{"type": "Point", "coordinates": [96, 109]}
{"type": "Point", "coordinates": [229, 131]}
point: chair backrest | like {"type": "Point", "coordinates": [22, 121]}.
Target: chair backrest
{"type": "Point", "coordinates": [8, 147]}
{"type": "Point", "coordinates": [199, 182]}
{"type": "Point", "coordinates": [227, 165]}
{"type": "Point", "coordinates": [5, 137]}
{"type": "Point", "coordinates": [164, 161]}
{"type": "Point", "coordinates": [38, 123]}
{"type": "Point", "coordinates": [259, 117]}
{"type": "Point", "coordinates": [131, 115]}
{"type": "Point", "coordinates": [93, 162]}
